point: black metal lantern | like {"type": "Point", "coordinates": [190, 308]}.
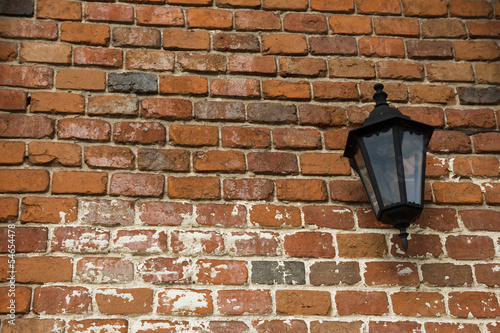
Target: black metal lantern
{"type": "Point", "coordinates": [388, 152]}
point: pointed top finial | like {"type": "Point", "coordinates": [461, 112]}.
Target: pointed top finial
{"type": "Point", "coordinates": [404, 238]}
{"type": "Point", "coordinates": [380, 96]}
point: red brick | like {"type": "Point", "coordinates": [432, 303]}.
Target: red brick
{"type": "Point", "coordinates": [84, 129]}
{"type": "Point", "coordinates": [440, 94]}
{"type": "Point", "coordinates": [85, 33]}
{"type": "Point", "coordinates": [470, 8]}
{"type": "Point", "coordinates": [149, 60]}
{"type": "Point", "coordinates": [81, 79]}
{"type": "Point", "coordinates": [136, 37]}
{"type": "Point", "coordinates": [253, 243]}
{"type": "Point", "coordinates": [238, 3]}
{"type": "Point", "coordinates": [377, 7]}
{"type": "Point", "coordinates": [331, 326]}
{"type": "Point", "coordinates": [464, 247]}
{"type": "Point", "coordinates": [12, 152]}
{"type": "Point", "coordinates": [428, 304]}
{"type": "Point", "coordinates": [286, 138]}
{"type": "Point", "coordinates": [137, 185]}
{"type": "Point", "coordinates": [52, 53]}
{"type": "Point", "coordinates": [309, 245]}
{"type": "Point", "coordinates": [98, 57]}
{"type": "Point", "coordinates": [79, 182]}
{"type": "Point", "coordinates": [61, 299]}
{"type": "Point", "coordinates": [231, 272]}
{"type": "Point", "coordinates": [381, 47]}
{"type": "Point", "coordinates": [351, 68]}
{"type": "Point", "coordinates": [450, 141]}
{"type": "Point", "coordinates": [109, 13]}
{"type": "Point", "coordinates": [231, 42]}
{"type": "Point", "coordinates": [185, 302]}
{"type": "Point", "coordinates": [342, 91]}
{"type": "Point", "coordinates": [348, 191]}
{"type": "Point", "coordinates": [361, 302]}
{"type": "Point", "coordinates": [486, 143]}
{"type": "Point", "coordinates": [235, 87]}
{"type": "Point", "coordinates": [350, 25]}
{"type": "Point", "coordinates": [194, 188]}
{"type": "Point", "coordinates": [299, 5]}
{"type": "Point", "coordinates": [29, 29]}
{"type": "Point", "coordinates": [322, 116]}
{"type": "Point", "coordinates": [443, 28]}
{"type": "Point", "coordinates": [188, 2]}
{"type": "Point", "coordinates": [245, 137]}
{"type": "Point", "coordinates": [303, 302]}
{"type": "Point", "coordinates": [404, 70]}
{"type": "Point", "coordinates": [209, 18]}
{"type": "Point", "coordinates": [219, 161]}
{"type": "Point", "coordinates": [35, 324]}
{"type": "Point", "coordinates": [59, 10]}
{"type": "Point", "coordinates": [341, 6]}
{"type": "Point", "coordinates": [257, 21]}
{"type": "Point", "coordinates": [389, 326]}
{"type": "Point", "coordinates": [221, 215]}
{"type": "Point", "coordinates": [473, 303]}
{"type": "Point", "coordinates": [301, 190]}
{"type": "Point", "coordinates": [335, 217]}
{"type": "Point", "coordinates": [139, 133]}
{"type": "Point", "coordinates": [77, 326]}
{"type": "Point", "coordinates": [164, 159]}
{"type": "Point", "coordinates": [44, 269]}
{"type": "Point", "coordinates": [457, 193]}
{"type": "Point", "coordinates": [487, 274]}
{"type": "Point", "coordinates": [107, 212]}
{"type": "Point", "coordinates": [391, 274]}
{"type": "Point", "coordinates": [368, 245]}
{"type": "Point", "coordinates": [289, 325]}
{"type": "Point", "coordinates": [152, 326]}
{"type": "Point", "coordinates": [436, 167]}
{"type": "Point", "coordinates": [183, 85]}
{"type": "Point", "coordinates": [57, 102]}
{"type": "Point", "coordinates": [447, 274]}
{"type": "Point", "coordinates": [324, 164]}
{"type": "Point", "coordinates": [250, 64]}
{"type": "Point", "coordinates": [477, 118]}
{"type": "Point", "coordinates": [140, 241]}
{"type": "Point", "coordinates": [275, 216]}
{"type": "Point", "coordinates": [192, 242]}
{"type": "Point", "coordinates": [161, 16]}
{"type": "Point", "coordinates": [396, 26]}
{"type": "Point", "coordinates": [440, 219]}
{"type": "Point", "coordinates": [124, 300]}
{"type": "Point", "coordinates": [488, 29]}
{"type": "Point", "coordinates": [113, 106]}
{"type": "Point", "coordinates": [272, 163]}
{"type": "Point", "coordinates": [219, 110]}
{"type": "Point", "coordinates": [488, 73]}
{"type": "Point", "coordinates": [23, 180]}
{"type": "Point", "coordinates": [492, 193]}
{"type": "Point", "coordinates": [164, 213]}
{"type": "Point", "coordinates": [479, 219]}
{"type": "Point", "coordinates": [451, 327]}
{"type": "Point", "coordinates": [165, 270]}
{"type": "Point", "coordinates": [26, 240]}
{"type": "Point", "coordinates": [49, 210]}
{"type": "Point", "coordinates": [468, 166]}
{"type": "Point", "coordinates": [168, 109]}
{"type": "Point", "coordinates": [471, 50]}
{"type": "Point", "coordinates": [177, 39]}
{"type": "Point", "coordinates": [8, 209]}
{"type": "Point", "coordinates": [26, 76]}
{"type": "Point", "coordinates": [284, 44]}
{"type": "Point", "coordinates": [302, 67]}
{"type": "Point", "coordinates": [424, 8]}
{"type": "Point", "coordinates": [333, 45]}
{"type": "Point", "coordinates": [198, 62]}
{"type": "Point", "coordinates": [279, 89]}
{"type": "Point", "coordinates": [13, 100]}
{"type": "Point", "coordinates": [305, 23]}
{"type": "Point", "coordinates": [239, 302]}
{"type": "Point", "coordinates": [450, 72]}
{"type": "Point", "coordinates": [21, 298]}
{"type": "Point", "coordinates": [193, 135]}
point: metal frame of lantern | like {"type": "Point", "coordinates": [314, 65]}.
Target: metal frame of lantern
{"type": "Point", "coordinates": [388, 152]}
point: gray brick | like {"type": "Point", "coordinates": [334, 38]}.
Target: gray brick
{"type": "Point", "coordinates": [331, 273]}
{"type": "Point", "coordinates": [481, 96]}
{"type": "Point", "coordinates": [139, 83]}
{"type": "Point", "coordinates": [278, 272]}
{"type": "Point", "coordinates": [273, 113]}
{"type": "Point", "coordinates": [17, 7]}
{"type": "Point", "coordinates": [213, 110]}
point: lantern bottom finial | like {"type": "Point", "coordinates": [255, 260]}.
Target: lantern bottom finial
{"type": "Point", "coordinates": [404, 238]}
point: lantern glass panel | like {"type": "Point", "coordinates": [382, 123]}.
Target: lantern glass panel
{"type": "Point", "coordinates": [413, 155]}
{"type": "Point", "coordinates": [363, 173]}
{"type": "Point", "coordinates": [381, 152]}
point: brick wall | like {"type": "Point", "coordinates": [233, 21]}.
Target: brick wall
{"type": "Point", "coordinates": [176, 165]}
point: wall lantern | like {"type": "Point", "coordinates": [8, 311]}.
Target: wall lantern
{"type": "Point", "coordinates": [388, 152]}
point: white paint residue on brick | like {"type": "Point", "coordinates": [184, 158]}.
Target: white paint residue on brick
{"type": "Point", "coordinates": [123, 241]}
{"type": "Point", "coordinates": [231, 239]}
{"type": "Point", "coordinates": [186, 299]}
{"type": "Point", "coordinates": [235, 211]}
{"type": "Point", "coordinates": [193, 241]}
{"type": "Point", "coordinates": [496, 268]}
{"type": "Point", "coordinates": [405, 271]}
{"type": "Point", "coordinates": [112, 292]}
{"type": "Point", "coordinates": [62, 215]}
{"type": "Point", "coordinates": [217, 269]}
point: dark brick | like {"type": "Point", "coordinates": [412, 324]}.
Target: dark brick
{"type": "Point", "coordinates": [274, 272]}
{"type": "Point", "coordinates": [332, 273]}
{"type": "Point", "coordinates": [17, 7]}
{"type": "Point", "coordinates": [139, 83]}
{"type": "Point", "coordinates": [482, 96]}
{"type": "Point", "coordinates": [213, 110]}
{"type": "Point", "coordinates": [163, 159]}
{"type": "Point", "coordinates": [273, 113]}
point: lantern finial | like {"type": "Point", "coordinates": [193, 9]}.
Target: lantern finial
{"type": "Point", "coordinates": [380, 96]}
{"type": "Point", "coordinates": [404, 238]}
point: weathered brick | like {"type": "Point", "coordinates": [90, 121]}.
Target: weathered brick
{"type": "Point", "coordinates": [163, 159]}
{"type": "Point", "coordinates": [8, 209]}
{"type": "Point", "coordinates": [417, 303]}
{"type": "Point", "coordinates": [104, 270]}
{"type": "Point", "coordinates": [23, 180]}
{"type": "Point", "coordinates": [52, 53]}
{"type": "Point", "coordinates": [194, 188]}
{"type": "Point", "coordinates": [251, 64]}
{"type": "Point", "coordinates": [481, 96]}
{"type": "Point", "coordinates": [301, 190]}
{"type": "Point", "coordinates": [274, 272]}
{"type": "Point", "coordinates": [331, 326]}
{"type": "Point", "coordinates": [124, 300]}
{"type": "Point", "coordinates": [396, 26]}
{"type": "Point", "coordinates": [195, 243]}
{"type": "Point", "coordinates": [98, 56]}
{"type": "Point", "coordinates": [486, 143]}
{"type": "Point", "coordinates": [209, 18]}
{"type": "Point", "coordinates": [469, 166]}
{"type": "Point", "coordinates": [443, 28]}
{"type": "Point", "coordinates": [470, 9]}
{"type": "Point", "coordinates": [376, 7]}
{"type": "Point", "coordinates": [381, 47]}
{"type": "Point", "coordinates": [450, 141]}
{"type": "Point", "coordinates": [329, 273]}
{"type": "Point", "coordinates": [219, 161]}
{"type": "Point", "coordinates": [302, 67]}
{"type": "Point", "coordinates": [85, 33]}
{"type": "Point", "coordinates": [177, 39]}
{"type": "Point", "coordinates": [450, 327]}
{"type": "Point", "coordinates": [404, 70]}
{"type": "Point", "coordinates": [37, 269]}
{"type": "Point", "coordinates": [424, 8]}
{"type": "Point", "coordinates": [336, 217]}
{"type": "Point", "coordinates": [351, 68]}
{"type": "Point", "coordinates": [487, 274]}
{"type": "Point", "coordinates": [286, 90]}
{"type": "Point", "coordinates": [305, 23]}
{"type": "Point", "coordinates": [165, 270]}
{"type": "Point", "coordinates": [12, 152]}
{"type": "Point", "coordinates": [61, 299]}
{"type": "Point", "coordinates": [322, 116]}
{"type": "Point", "coordinates": [248, 189]}
{"type": "Point", "coordinates": [487, 73]}
{"type": "Point", "coordinates": [59, 10]}
{"type": "Point", "coordinates": [230, 272]}
{"type": "Point", "coordinates": [193, 135]}
{"type": "Point", "coordinates": [107, 212]}
{"type": "Point", "coordinates": [137, 185]}
{"type": "Point", "coordinates": [476, 303]}
{"type": "Point", "coordinates": [20, 8]}
{"type": "Point", "coordinates": [273, 113]}
{"type": "Point", "coordinates": [119, 325]}
{"type": "Point", "coordinates": [160, 16]}
{"type": "Point", "coordinates": [198, 62]}
{"type": "Point", "coordinates": [245, 137]}
{"type": "Point", "coordinates": [48, 210]}
{"type": "Point", "coordinates": [109, 157]}
{"type": "Point", "coordinates": [457, 193]}
{"type": "Point", "coordinates": [253, 243]}
{"type": "Point", "coordinates": [296, 138]}
{"type": "Point", "coordinates": [388, 326]}
{"type": "Point", "coordinates": [185, 302]}
{"type": "Point", "coordinates": [342, 6]}
{"type": "Point", "coordinates": [26, 76]}
{"type": "Point", "coordinates": [146, 133]}
{"type": "Point", "coordinates": [133, 82]}
{"type": "Point", "coordinates": [27, 240]}
{"type": "Point", "coordinates": [164, 213]}
{"type": "Point", "coordinates": [238, 302]}
{"type": "Point", "coordinates": [343, 91]}
{"type": "Point", "coordinates": [238, 3]}
{"type": "Point", "coordinates": [272, 163]}
{"type": "Point", "coordinates": [299, 5]}
{"type": "Point", "coordinates": [445, 274]}
{"type": "Point", "coordinates": [140, 241]}
{"type": "Point", "coordinates": [221, 215]}
{"type": "Point", "coordinates": [487, 29]}
{"type": "Point", "coordinates": [13, 100]}
{"type": "Point", "coordinates": [235, 87]}
{"type": "Point", "coordinates": [183, 85]}
{"type": "Point", "coordinates": [257, 20]}
{"type": "Point", "coordinates": [284, 44]}
{"type": "Point", "coordinates": [29, 29]}
{"type": "Point", "coordinates": [350, 25]}
{"type": "Point", "coordinates": [168, 109]}
{"type": "Point", "coordinates": [276, 325]}
{"type": "Point", "coordinates": [361, 302]}
{"type": "Point", "coordinates": [309, 245]}
{"type": "Point", "coordinates": [35, 324]}
{"type": "Point", "coordinates": [492, 193]}
{"type": "Point", "coordinates": [349, 245]}
{"type": "Point", "coordinates": [478, 219]}
{"type": "Point", "coordinates": [113, 106]}
{"type": "Point", "coordinates": [391, 274]}
{"type": "Point", "coordinates": [149, 60]}
{"type": "Point", "coordinates": [450, 72]}
{"type": "Point", "coordinates": [275, 216]}
{"type": "Point", "coordinates": [440, 94]}
{"type": "Point", "coordinates": [303, 302]}
{"type": "Point", "coordinates": [476, 50]}
{"type": "Point", "coordinates": [231, 42]}
{"type": "Point", "coordinates": [137, 37]}
{"type": "Point", "coordinates": [465, 247]}
{"type": "Point", "coordinates": [79, 182]}
{"type": "Point", "coordinates": [81, 79]}
{"type": "Point", "coordinates": [333, 45]}
{"type": "Point", "coordinates": [348, 191]}
{"type": "Point", "coordinates": [84, 129]}
{"type": "Point", "coordinates": [57, 102]}
{"type": "Point", "coordinates": [109, 13]}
